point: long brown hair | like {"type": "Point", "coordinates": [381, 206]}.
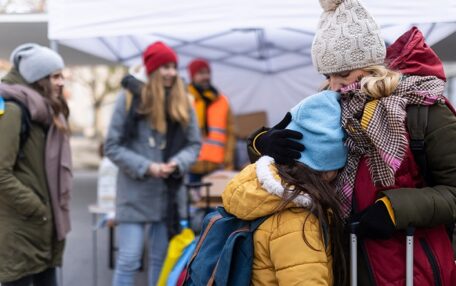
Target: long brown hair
{"type": "Point", "coordinates": [57, 103]}
{"type": "Point", "coordinates": [153, 102]}
{"type": "Point", "coordinates": [298, 180]}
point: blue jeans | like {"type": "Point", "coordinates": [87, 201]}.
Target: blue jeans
{"type": "Point", "coordinates": [131, 247]}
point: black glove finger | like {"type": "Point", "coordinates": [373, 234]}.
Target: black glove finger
{"type": "Point", "coordinates": [286, 133]}
{"type": "Point", "coordinates": [290, 145]}
{"type": "Point", "coordinates": [284, 122]}
{"type": "Point", "coordinates": [289, 153]}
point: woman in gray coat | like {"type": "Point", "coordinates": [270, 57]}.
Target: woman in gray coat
{"type": "Point", "coordinates": [153, 139]}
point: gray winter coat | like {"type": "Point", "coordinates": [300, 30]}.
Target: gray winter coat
{"type": "Point", "coordinates": [140, 197]}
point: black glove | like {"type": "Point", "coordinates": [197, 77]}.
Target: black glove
{"type": "Point", "coordinates": [375, 222]}
{"type": "Point", "coordinates": [279, 144]}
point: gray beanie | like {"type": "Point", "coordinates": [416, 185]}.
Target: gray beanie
{"type": "Point", "coordinates": [35, 62]}
{"type": "Point", "coordinates": [347, 38]}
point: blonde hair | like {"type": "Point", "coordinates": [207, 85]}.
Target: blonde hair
{"type": "Point", "coordinates": [380, 81]}
{"type": "Point", "coordinates": [153, 102]}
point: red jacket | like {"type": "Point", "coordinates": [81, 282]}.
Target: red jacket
{"type": "Point", "coordinates": [433, 254]}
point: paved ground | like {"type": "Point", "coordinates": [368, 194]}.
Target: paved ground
{"type": "Point", "coordinates": [78, 262]}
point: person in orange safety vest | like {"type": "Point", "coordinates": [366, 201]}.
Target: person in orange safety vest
{"type": "Point", "coordinates": [215, 121]}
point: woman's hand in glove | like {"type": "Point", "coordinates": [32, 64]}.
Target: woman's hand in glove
{"type": "Point", "coordinates": [278, 142]}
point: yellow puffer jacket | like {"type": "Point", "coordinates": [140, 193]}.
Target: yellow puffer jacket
{"type": "Point", "coordinates": [281, 255]}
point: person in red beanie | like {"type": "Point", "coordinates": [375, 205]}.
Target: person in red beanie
{"type": "Point", "coordinates": [214, 120]}
{"type": "Point", "coordinates": [153, 139]}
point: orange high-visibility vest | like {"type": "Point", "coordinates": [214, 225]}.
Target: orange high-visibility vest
{"type": "Point", "coordinates": [213, 147]}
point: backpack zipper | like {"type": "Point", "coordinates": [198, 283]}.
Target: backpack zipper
{"type": "Point", "coordinates": [432, 261]}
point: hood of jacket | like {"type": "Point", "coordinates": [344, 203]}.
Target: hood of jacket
{"type": "Point", "coordinates": [410, 55]}
{"type": "Point", "coordinates": [258, 191]}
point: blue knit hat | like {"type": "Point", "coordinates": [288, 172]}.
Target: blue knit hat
{"type": "Point", "coordinates": [35, 62]}
{"type": "Point", "coordinates": [318, 118]}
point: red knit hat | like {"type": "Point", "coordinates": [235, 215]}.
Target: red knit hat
{"type": "Point", "coordinates": [197, 65]}
{"type": "Point", "coordinates": [156, 55]}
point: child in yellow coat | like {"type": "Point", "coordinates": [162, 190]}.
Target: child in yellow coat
{"type": "Point", "coordinates": [301, 240]}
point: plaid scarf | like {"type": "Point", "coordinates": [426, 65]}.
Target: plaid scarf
{"type": "Point", "coordinates": [376, 129]}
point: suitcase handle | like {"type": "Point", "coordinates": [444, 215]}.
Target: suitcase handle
{"type": "Point", "coordinates": [354, 254]}
{"type": "Point", "coordinates": [410, 231]}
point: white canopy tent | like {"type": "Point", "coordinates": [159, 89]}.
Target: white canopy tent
{"type": "Point", "coordinates": [259, 50]}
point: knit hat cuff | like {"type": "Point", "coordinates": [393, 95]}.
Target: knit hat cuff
{"type": "Point", "coordinates": [324, 70]}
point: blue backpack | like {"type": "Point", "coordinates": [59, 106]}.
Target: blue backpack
{"type": "Point", "coordinates": [224, 252]}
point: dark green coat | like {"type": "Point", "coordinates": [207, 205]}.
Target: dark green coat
{"type": "Point", "coordinates": [28, 241]}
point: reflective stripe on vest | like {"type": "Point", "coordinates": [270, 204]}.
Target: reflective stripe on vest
{"type": "Point", "coordinates": [213, 148]}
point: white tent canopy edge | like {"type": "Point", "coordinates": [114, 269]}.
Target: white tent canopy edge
{"type": "Point", "coordinates": [260, 50]}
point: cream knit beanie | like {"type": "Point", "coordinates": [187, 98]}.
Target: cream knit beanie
{"type": "Point", "coordinates": [347, 38]}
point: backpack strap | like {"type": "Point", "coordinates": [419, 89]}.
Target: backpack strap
{"type": "Point", "coordinates": [213, 220]}
{"type": "Point", "coordinates": [26, 122]}
{"type": "Point", "coordinates": [254, 224]}
{"type": "Point", "coordinates": [417, 121]}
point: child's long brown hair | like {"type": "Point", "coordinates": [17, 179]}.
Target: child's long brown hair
{"type": "Point", "coordinates": [298, 180]}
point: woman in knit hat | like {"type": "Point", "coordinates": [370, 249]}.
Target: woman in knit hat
{"type": "Point", "coordinates": [35, 168]}
{"type": "Point", "coordinates": [301, 240]}
{"type": "Point", "coordinates": [153, 138]}
{"type": "Point", "coordinates": [393, 179]}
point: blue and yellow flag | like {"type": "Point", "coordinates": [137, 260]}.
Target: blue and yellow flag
{"type": "Point", "coordinates": [2, 105]}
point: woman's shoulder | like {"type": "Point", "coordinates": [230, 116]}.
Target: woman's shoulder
{"type": "Point", "coordinates": [437, 115]}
